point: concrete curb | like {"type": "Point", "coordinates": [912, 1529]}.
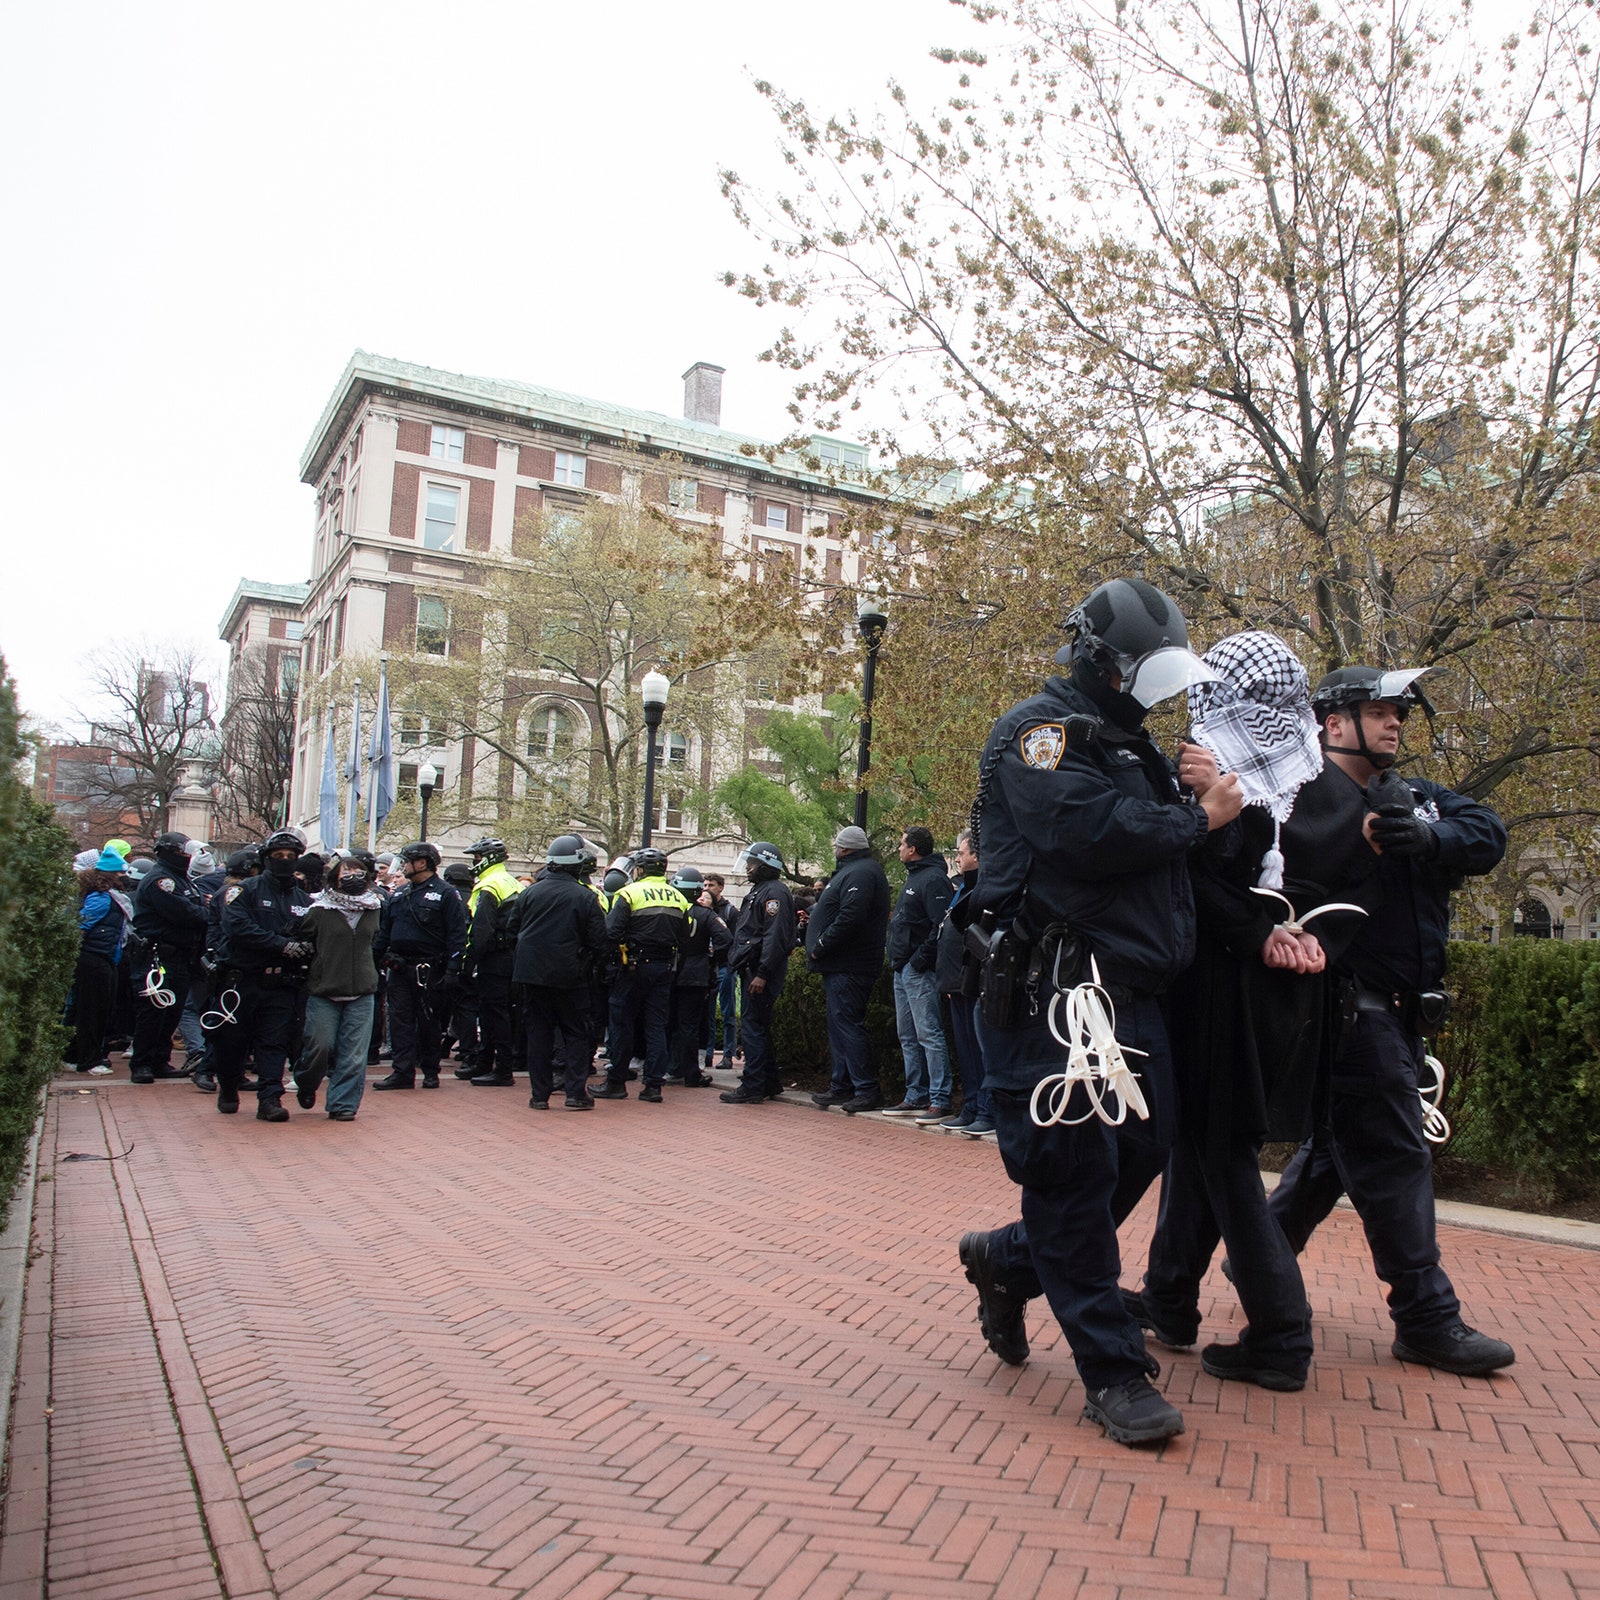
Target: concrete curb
{"type": "Point", "coordinates": [15, 1244]}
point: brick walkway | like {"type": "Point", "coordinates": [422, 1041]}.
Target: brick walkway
{"type": "Point", "coordinates": [457, 1348]}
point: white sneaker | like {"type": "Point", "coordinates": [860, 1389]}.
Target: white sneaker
{"type": "Point", "coordinates": [102, 1071]}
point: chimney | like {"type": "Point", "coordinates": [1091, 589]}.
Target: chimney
{"type": "Point", "coordinates": [702, 393]}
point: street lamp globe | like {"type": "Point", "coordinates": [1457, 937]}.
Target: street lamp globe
{"type": "Point", "coordinates": [427, 777]}
{"type": "Point", "coordinates": [872, 616]}
{"type": "Point", "coordinates": [653, 688]}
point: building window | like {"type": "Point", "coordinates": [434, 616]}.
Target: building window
{"type": "Point", "coordinates": [295, 630]}
{"type": "Point", "coordinates": [416, 729]}
{"type": "Point", "coordinates": [683, 494]}
{"type": "Point", "coordinates": [778, 517]}
{"type": "Point", "coordinates": [406, 781]}
{"type": "Point", "coordinates": [433, 626]}
{"type": "Point", "coordinates": [442, 513]}
{"type": "Point", "coordinates": [672, 772]}
{"type": "Point", "coordinates": [447, 444]}
{"type": "Point", "coordinates": [549, 734]}
{"type": "Point", "coordinates": [1591, 923]}
{"type": "Point", "coordinates": [570, 469]}
{"type": "Point", "coordinates": [288, 673]}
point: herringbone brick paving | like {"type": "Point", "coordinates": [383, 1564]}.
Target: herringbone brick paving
{"type": "Point", "coordinates": [457, 1348]}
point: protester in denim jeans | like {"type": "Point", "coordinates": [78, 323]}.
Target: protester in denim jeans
{"type": "Point", "coordinates": [341, 923]}
{"type": "Point", "coordinates": [912, 952]}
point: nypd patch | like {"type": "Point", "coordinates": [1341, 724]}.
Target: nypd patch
{"type": "Point", "coordinates": [1044, 745]}
{"type": "Point", "coordinates": [772, 908]}
{"type": "Point", "coordinates": [166, 885]}
{"type": "Point", "coordinates": [232, 894]}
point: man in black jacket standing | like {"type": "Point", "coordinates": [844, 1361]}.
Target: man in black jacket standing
{"type": "Point", "coordinates": [913, 942]}
{"type": "Point", "coordinates": [561, 943]}
{"type": "Point", "coordinates": [844, 942]}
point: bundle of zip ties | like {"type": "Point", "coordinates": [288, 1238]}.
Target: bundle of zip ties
{"type": "Point", "coordinates": [227, 1011]}
{"type": "Point", "coordinates": [155, 989]}
{"type": "Point", "coordinates": [1085, 1022]}
{"type": "Point", "coordinates": [1435, 1125]}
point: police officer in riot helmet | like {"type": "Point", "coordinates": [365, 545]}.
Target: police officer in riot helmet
{"type": "Point", "coordinates": [421, 938]}
{"type": "Point", "coordinates": [170, 918]}
{"type": "Point", "coordinates": [763, 938]}
{"type": "Point", "coordinates": [488, 960]}
{"type": "Point", "coordinates": [1083, 837]}
{"type": "Point", "coordinates": [561, 941]}
{"type": "Point", "coordinates": [709, 941]}
{"type": "Point", "coordinates": [1419, 840]}
{"type": "Point", "coordinates": [264, 974]}
{"type": "Point", "coordinates": [649, 924]}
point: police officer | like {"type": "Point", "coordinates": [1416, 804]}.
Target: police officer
{"type": "Point", "coordinates": [421, 938]}
{"type": "Point", "coordinates": [762, 941]}
{"type": "Point", "coordinates": [649, 924]}
{"type": "Point", "coordinates": [561, 940]}
{"type": "Point", "coordinates": [170, 918]}
{"type": "Point", "coordinates": [263, 966]}
{"type": "Point", "coordinates": [1424, 839]}
{"type": "Point", "coordinates": [458, 1012]}
{"type": "Point", "coordinates": [490, 954]}
{"type": "Point", "coordinates": [710, 939]}
{"type": "Point", "coordinates": [1084, 837]}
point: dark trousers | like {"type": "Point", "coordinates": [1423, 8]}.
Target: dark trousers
{"type": "Point", "coordinates": [640, 1000]}
{"type": "Point", "coordinates": [1074, 1181]}
{"type": "Point", "coordinates": [688, 1025]}
{"type": "Point", "coordinates": [94, 993]}
{"type": "Point", "coordinates": [1209, 1194]}
{"type": "Point", "coordinates": [760, 1073]}
{"type": "Point", "coordinates": [724, 999]}
{"type": "Point", "coordinates": [264, 1026]}
{"type": "Point", "coordinates": [494, 1024]}
{"type": "Point", "coordinates": [1372, 1149]}
{"type": "Point", "coordinates": [152, 1024]}
{"type": "Point", "coordinates": [463, 1026]}
{"type": "Point", "coordinates": [380, 1018]}
{"type": "Point", "coordinates": [413, 1025]}
{"type": "Point", "coordinates": [846, 995]}
{"type": "Point", "coordinates": [969, 1055]}
{"type": "Point", "coordinates": [556, 1026]}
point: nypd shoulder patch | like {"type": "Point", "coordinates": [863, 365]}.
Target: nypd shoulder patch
{"type": "Point", "coordinates": [165, 885]}
{"type": "Point", "coordinates": [233, 893]}
{"type": "Point", "coordinates": [1044, 745]}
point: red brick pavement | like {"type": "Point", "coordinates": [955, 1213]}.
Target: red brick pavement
{"type": "Point", "coordinates": [457, 1348]}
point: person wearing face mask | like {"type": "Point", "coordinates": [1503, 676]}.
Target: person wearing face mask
{"type": "Point", "coordinates": [1083, 836]}
{"type": "Point", "coordinates": [262, 931]}
{"type": "Point", "coordinates": [341, 925]}
{"type": "Point", "coordinates": [421, 936]}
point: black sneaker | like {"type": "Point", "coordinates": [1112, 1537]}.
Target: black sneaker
{"type": "Point", "coordinates": [578, 1102]}
{"type": "Point", "coordinates": [204, 1082]}
{"type": "Point", "coordinates": [1002, 1315]}
{"type": "Point", "coordinates": [306, 1085]}
{"type": "Point", "coordinates": [831, 1098]}
{"type": "Point", "coordinates": [1457, 1349]}
{"type": "Point", "coordinates": [270, 1111]}
{"type": "Point", "coordinates": [861, 1102]}
{"type": "Point", "coordinates": [651, 1094]}
{"type": "Point", "coordinates": [743, 1096]}
{"type": "Point", "coordinates": [1234, 1361]}
{"type": "Point", "coordinates": [227, 1101]}
{"type": "Point", "coordinates": [609, 1091]}
{"type": "Point", "coordinates": [1168, 1334]}
{"type": "Point", "coordinates": [1133, 1412]}
{"type": "Point", "coordinates": [169, 1072]}
{"type": "Point", "coordinates": [141, 1077]}
{"type": "Point", "coordinates": [341, 1116]}
{"type": "Point", "coordinates": [536, 1104]}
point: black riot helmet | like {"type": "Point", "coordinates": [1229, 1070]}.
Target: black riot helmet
{"type": "Point", "coordinates": [285, 839]}
{"type": "Point", "coordinates": [1346, 687]}
{"type": "Point", "coordinates": [614, 879]}
{"type": "Point", "coordinates": [274, 860]}
{"type": "Point", "coordinates": [760, 861]}
{"type": "Point", "coordinates": [171, 846]}
{"type": "Point", "coordinates": [570, 853]}
{"type": "Point", "coordinates": [689, 882]}
{"type": "Point", "coordinates": [245, 863]}
{"type": "Point", "coordinates": [459, 874]}
{"type": "Point", "coordinates": [485, 852]}
{"type": "Point", "coordinates": [422, 851]}
{"type": "Point", "coordinates": [649, 863]}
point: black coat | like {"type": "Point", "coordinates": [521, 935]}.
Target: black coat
{"type": "Point", "coordinates": [561, 933]}
{"type": "Point", "coordinates": [765, 932]}
{"type": "Point", "coordinates": [710, 939]}
{"type": "Point", "coordinates": [168, 913]}
{"type": "Point", "coordinates": [424, 922]}
{"type": "Point", "coordinates": [924, 899]}
{"type": "Point", "coordinates": [949, 962]}
{"type": "Point", "coordinates": [849, 924]}
{"type": "Point", "coordinates": [259, 917]}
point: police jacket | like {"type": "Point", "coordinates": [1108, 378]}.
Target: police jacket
{"type": "Point", "coordinates": [491, 946]}
{"type": "Point", "coordinates": [259, 917]}
{"type": "Point", "coordinates": [1089, 832]}
{"type": "Point", "coordinates": [648, 920]}
{"type": "Point", "coordinates": [849, 923]}
{"type": "Point", "coordinates": [424, 922]}
{"type": "Point", "coordinates": [948, 964]}
{"type": "Point", "coordinates": [561, 933]}
{"type": "Point", "coordinates": [764, 935]}
{"type": "Point", "coordinates": [710, 939]}
{"type": "Point", "coordinates": [1402, 946]}
{"type": "Point", "coordinates": [167, 910]}
{"type": "Point", "coordinates": [924, 898]}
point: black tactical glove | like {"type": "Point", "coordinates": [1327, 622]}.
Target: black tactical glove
{"type": "Point", "coordinates": [297, 950]}
{"type": "Point", "coordinates": [1405, 836]}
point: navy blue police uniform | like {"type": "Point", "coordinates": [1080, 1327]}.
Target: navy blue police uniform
{"type": "Point", "coordinates": [421, 937]}
{"type": "Point", "coordinates": [649, 923]}
{"type": "Point", "coordinates": [170, 917]}
{"type": "Point", "coordinates": [709, 940]}
{"type": "Point", "coordinates": [762, 942]}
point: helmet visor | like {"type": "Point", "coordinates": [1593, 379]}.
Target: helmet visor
{"type": "Point", "coordinates": [1162, 673]}
{"type": "Point", "coordinates": [1398, 686]}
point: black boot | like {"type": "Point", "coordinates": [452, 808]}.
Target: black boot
{"type": "Point", "coordinates": [270, 1111]}
{"type": "Point", "coordinates": [227, 1100]}
{"type": "Point", "coordinates": [396, 1080]}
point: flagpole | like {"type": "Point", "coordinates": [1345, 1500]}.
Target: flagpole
{"type": "Point", "coordinates": [372, 759]}
{"type": "Point", "coordinates": [355, 768]}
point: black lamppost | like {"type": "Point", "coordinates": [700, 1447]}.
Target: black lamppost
{"type": "Point", "coordinates": [654, 689]}
{"type": "Point", "coordinates": [872, 622]}
{"type": "Point", "coordinates": [427, 781]}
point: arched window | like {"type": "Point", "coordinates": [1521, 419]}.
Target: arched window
{"type": "Point", "coordinates": [1532, 919]}
{"type": "Point", "coordinates": [550, 734]}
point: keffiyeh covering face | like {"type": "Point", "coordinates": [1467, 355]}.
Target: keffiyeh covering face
{"type": "Point", "coordinates": [1257, 720]}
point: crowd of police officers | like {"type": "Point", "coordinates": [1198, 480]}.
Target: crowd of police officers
{"type": "Point", "coordinates": [1097, 855]}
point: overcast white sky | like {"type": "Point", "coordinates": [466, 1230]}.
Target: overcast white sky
{"type": "Point", "coordinates": [208, 207]}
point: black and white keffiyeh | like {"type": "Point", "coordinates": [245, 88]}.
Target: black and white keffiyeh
{"type": "Point", "coordinates": [1257, 721]}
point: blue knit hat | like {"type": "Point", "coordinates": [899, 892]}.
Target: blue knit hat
{"type": "Point", "coordinates": [110, 861]}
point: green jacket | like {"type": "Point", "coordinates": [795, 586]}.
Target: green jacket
{"type": "Point", "coordinates": [342, 963]}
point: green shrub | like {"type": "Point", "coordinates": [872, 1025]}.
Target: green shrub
{"type": "Point", "coordinates": [800, 1031]}
{"type": "Point", "coordinates": [1523, 1051]}
{"type": "Point", "coordinates": [38, 947]}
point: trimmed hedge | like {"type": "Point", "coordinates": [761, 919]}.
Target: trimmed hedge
{"type": "Point", "coordinates": [1523, 1052]}
{"type": "Point", "coordinates": [800, 1031]}
{"type": "Point", "coordinates": [38, 947]}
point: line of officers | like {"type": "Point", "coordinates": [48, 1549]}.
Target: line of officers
{"type": "Point", "coordinates": [547, 972]}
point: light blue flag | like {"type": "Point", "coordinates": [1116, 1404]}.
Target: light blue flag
{"type": "Point", "coordinates": [328, 817]}
{"type": "Point", "coordinates": [381, 754]}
